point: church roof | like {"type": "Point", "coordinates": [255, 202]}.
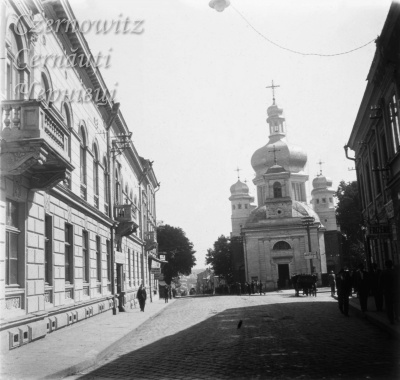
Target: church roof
{"type": "Point", "coordinates": [275, 169]}
{"type": "Point", "coordinates": [299, 210]}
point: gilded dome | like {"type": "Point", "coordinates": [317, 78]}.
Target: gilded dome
{"type": "Point", "coordinates": [291, 157]}
{"type": "Point", "coordinates": [239, 188]}
{"type": "Point", "coordinates": [321, 182]}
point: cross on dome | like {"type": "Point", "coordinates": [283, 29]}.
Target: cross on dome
{"type": "Point", "coordinates": [273, 90]}
{"type": "Point", "coordinates": [238, 170]}
{"type": "Point", "coordinates": [320, 166]}
{"type": "Point", "coordinates": [275, 150]}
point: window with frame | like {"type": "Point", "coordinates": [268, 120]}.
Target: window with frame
{"type": "Point", "coordinates": [98, 258]}
{"type": "Point", "coordinates": [277, 190]}
{"type": "Point", "coordinates": [69, 253]}
{"type": "Point", "coordinates": [48, 249]}
{"type": "Point", "coordinates": [394, 122]}
{"type": "Point", "coordinates": [105, 185]}
{"type": "Point", "coordinates": [82, 150]}
{"type": "Point", "coordinates": [281, 246]}
{"type": "Point", "coordinates": [117, 187]}
{"type": "Point", "coordinates": [96, 176]}
{"type": "Point", "coordinates": [129, 267]}
{"type": "Point", "coordinates": [17, 74]}
{"type": "Point", "coordinates": [108, 244]}
{"type": "Point", "coordinates": [66, 112]}
{"type": "Point", "coordinates": [378, 185]}
{"type": "Point", "coordinates": [368, 183]}
{"type": "Point", "coordinates": [12, 237]}
{"type": "Point", "coordinates": [85, 256]}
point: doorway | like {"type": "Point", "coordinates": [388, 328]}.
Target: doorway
{"type": "Point", "coordinates": [283, 273]}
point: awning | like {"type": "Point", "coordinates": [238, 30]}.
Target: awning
{"type": "Point", "coordinates": [157, 259]}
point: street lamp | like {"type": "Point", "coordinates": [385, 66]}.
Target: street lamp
{"type": "Point", "coordinates": [307, 222]}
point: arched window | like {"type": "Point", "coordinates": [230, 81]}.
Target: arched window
{"type": "Point", "coordinates": [96, 175]}
{"type": "Point", "coordinates": [126, 194]}
{"type": "Point", "coordinates": [17, 76]}
{"type": "Point", "coordinates": [117, 187]}
{"type": "Point", "coordinates": [105, 184]}
{"type": "Point", "coordinates": [277, 190]}
{"type": "Point", "coordinates": [281, 246]}
{"type": "Point", "coordinates": [83, 176]}
{"type": "Point", "coordinates": [66, 112]}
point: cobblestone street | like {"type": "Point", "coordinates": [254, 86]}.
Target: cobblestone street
{"type": "Point", "coordinates": [281, 336]}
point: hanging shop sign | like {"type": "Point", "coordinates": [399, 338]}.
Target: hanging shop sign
{"type": "Point", "coordinates": [119, 257]}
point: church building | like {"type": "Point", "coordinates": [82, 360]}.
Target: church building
{"type": "Point", "coordinates": [283, 234]}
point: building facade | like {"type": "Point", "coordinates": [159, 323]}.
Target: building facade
{"type": "Point", "coordinates": [78, 208]}
{"type": "Point", "coordinates": [375, 140]}
{"type": "Point", "coordinates": [282, 235]}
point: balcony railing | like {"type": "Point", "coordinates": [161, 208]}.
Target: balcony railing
{"type": "Point", "coordinates": [125, 213]}
{"type": "Point", "coordinates": [35, 140]}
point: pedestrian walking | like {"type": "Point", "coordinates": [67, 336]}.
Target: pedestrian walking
{"type": "Point", "coordinates": [363, 287]}
{"type": "Point", "coordinates": [166, 293]}
{"type": "Point", "coordinates": [248, 288]}
{"type": "Point", "coordinates": [260, 288]}
{"type": "Point", "coordinates": [375, 278]}
{"type": "Point", "coordinates": [344, 287]}
{"type": "Point", "coordinates": [332, 283]}
{"type": "Point", "coordinates": [252, 287]}
{"type": "Point", "coordinates": [390, 288]}
{"type": "Point", "coordinates": [141, 296]}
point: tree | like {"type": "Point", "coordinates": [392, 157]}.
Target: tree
{"type": "Point", "coordinates": [220, 258]}
{"type": "Point", "coordinates": [178, 250]}
{"type": "Point", "coordinates": [349, 217]}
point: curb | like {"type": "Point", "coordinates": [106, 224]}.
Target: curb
{"type": "Point", "coordinates": [384, 325]}
{"type": "Point", "coordinates": [93, 360]}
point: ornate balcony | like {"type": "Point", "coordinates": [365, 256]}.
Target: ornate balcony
{"type": "Point", "coordinates": [126, 215]}
{"type": "Point", "coordinates": [35, 143]}
{"type": "Point", "coordinates": [151, 241]}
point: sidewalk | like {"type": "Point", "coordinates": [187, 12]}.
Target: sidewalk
{"type": "Point", "coordinates": [76, 347]}
{"type": "Point", "coordinates": [379, 319]}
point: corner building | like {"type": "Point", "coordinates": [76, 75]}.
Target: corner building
{"type": "Point", "coordinates": [276, 243]}
{"type": "Point", "coordinates": [78, 209]}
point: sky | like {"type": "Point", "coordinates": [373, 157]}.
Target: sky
{"type": "Point", "coordinates": [192, 88]}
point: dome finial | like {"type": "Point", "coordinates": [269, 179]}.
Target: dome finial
{"type": "Point", "coordinates": [273, 90]}
{"type": "Point", "coordinates": [238, 170]}
{"type": "Point", "coordinates": [320, 167]}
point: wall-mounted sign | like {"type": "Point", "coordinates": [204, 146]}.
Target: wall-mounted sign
{"type": "Point", "coordinates": [155, 264]}
{"type": "Point", "coordinates": [162, 257]}
{"type": "Point", "coordinates": [310, 255]}
{"type": "Point", "coordinates": [119, 257]}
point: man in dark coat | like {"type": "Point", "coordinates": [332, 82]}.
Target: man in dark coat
{"type": "Point", "coordinates": [332, 283]}
{"type": "Point", "coordinates": [166, 293]}
{"type": "Point", "coordinates": [141, 296]}
{"type": "Point", "coordinates": [344, 287]}
{"type": "Point", "coordinates": [389, 285]}
{"type": "Point", "coordinates": [375, 278]}
{"type": "Point", "coordinates": [363, 287]}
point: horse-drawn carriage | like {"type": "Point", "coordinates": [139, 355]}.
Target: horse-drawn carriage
{"type": "Point", "coordinates": [305, 282]}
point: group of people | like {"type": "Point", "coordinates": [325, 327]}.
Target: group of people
{"type": "Point", "coordinates": [250, 288]}
{"type": "Point", "coordinates": [383, 285]}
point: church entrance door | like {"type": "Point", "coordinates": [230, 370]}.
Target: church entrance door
{"type": "Point", "coordinates": [283, 273]}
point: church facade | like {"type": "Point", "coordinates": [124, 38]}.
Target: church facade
{"type": "Point", "coordinates": [283, 234]}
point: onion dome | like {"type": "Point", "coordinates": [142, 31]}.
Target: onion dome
{"type": "Point", "coordinates": [291, 157]}
{"type": "Point", "coordinates": [321, 182]}
{"type": "Point", "coordinates": [239, 188]}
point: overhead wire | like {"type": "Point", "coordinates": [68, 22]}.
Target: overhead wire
{"type": "Point", "coordinates": [295, 51]}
